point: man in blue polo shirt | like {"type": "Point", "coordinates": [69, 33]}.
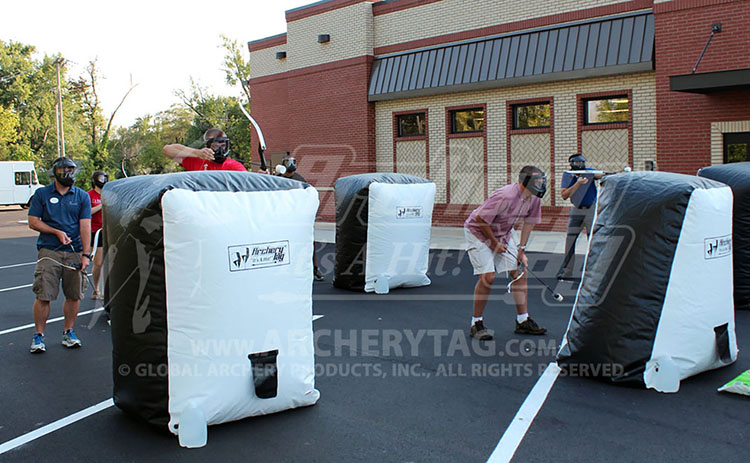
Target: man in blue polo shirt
{"type": "Point", "coordinates": [581, 190]}
{"type": "Point", "coordinates": [61, 213]}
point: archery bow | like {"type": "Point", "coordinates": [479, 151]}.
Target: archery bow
{"type": "Point", "coordinates": [261, 140]}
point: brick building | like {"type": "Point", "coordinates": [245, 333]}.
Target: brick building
{"type": "Point", "coordinates": [465, 93]}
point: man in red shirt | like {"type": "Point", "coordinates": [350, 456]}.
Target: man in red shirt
{"type": "Point", "coordinates": [214, 156]}
{"type": "Point", "coordinates": [98, 179]}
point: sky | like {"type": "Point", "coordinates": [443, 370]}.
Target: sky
{"type": "Point", "coordinates": [160, 44]}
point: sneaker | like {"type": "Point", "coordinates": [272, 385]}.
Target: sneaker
{"type": "Point", "coordinates": [529, 327]}
{"type": "Point", "coordinates": [478, 331]}
{"type": "Point", "coordinates": [70, 339]}
{"type": "Point", "coordinates": [317, 275]}
{"type": "Point", "coordinates": [37, 344]}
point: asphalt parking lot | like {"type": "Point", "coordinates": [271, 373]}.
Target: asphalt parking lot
{"type": "Point", "coordinates": [399, 377]}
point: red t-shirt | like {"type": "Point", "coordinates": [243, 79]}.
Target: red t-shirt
{"type": "Point", "coordinates": [96, 218]}
{"type": "Point", "coordinates": [204, 164]}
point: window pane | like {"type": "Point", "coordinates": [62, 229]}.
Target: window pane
{"type": "Point", "coordinates": [607, 110]}
{"type": "Point", "coordinates": [737, 153]}
{"type": "Point", "coordinates": [470, 120]}
{"type": "Point", "coordinates": [23, 178]}
{"type": "Point", "coordinates": [410, 125]}
{"type": "Point", "coordinates": [531, 116]}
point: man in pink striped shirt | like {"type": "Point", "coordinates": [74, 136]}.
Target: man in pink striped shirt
{"type": "Point", "coordinates": [492, 248]}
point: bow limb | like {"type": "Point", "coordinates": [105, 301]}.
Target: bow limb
{"type": "Point", "coordinates": [261, 139]}
{"type": "Point", "coordinates": [522, 269]}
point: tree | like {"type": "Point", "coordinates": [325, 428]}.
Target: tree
{"type": "Point", "coordinates": [26, 91]}
{"type": "Point", "coordinates": [84, 91]}
{"type": "Point", "coordinates": [138, 148]}
{"type": "Point", "coordinates": [236, 68]}
{"type": "Point", "coordinates": [8, 126]}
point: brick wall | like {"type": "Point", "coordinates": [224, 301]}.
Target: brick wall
{"type": "Point", "coordinates": [450, 16]}
{"type": "Point", "coordinates": [684, 119]}
{"type": "Point", "coordinates": [263, 62]}
{"type": "Point", "coordinates": [321, 115]}
{"type": "Point", "coordinates": [351, 36]}
{"type": "Point", "coordinates": [566, 133]}
{"type": "Point", "coordinates": [447, 21]}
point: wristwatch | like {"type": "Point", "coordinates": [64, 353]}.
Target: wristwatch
{"type": "Point", "coordinates": [522, 248]}
{"type": "Point", "coordinates": [89, 256]}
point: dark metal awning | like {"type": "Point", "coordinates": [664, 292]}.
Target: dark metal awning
{"type": "Point", "coordinates": [604, 46]}
{"type": "Point", "coordinates": [709, 82]}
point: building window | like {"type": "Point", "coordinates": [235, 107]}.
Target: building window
{"type": "Point", "coordinates": [23, 178]}
{"type": "Point", "coordinates": [411, 125]}
{"type": "Point", "coordinates": [615, 109]}
{"type": "Point", "coordinates": [467, 120]}
{"type": "Point", "coordinates": [531, 116]}
{"type": "Point", "coordinates": [736, 147]}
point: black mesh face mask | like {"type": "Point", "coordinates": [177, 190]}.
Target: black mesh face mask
{"type": "Point", "coordinates": [220, 147]}
{"type": "Point", "coordinates": [100, 180]}
{"type": "Point", "coordinates": [577, 162]}
{"type": "Point", "coordinates": [64, 171]}
{"type": "Point", "coordinates": [536, 184]}
{"type": "Point", "coordinates": [290, 163]}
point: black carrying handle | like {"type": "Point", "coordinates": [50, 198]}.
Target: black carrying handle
{"type": "Point", "coordinates": [722, 343]}
{"type": "Point", "coordinates": [265, 373]}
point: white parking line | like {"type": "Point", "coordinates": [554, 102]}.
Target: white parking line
{"type": "Point", "coordinates": [31, 325]}
{"type": "Point", "coordinates": [317, 317]}
{"type": "Point", "coordinates": [16, 287]}
{"type": "Point", "coordinates": [515, 433]}
{"type": "Point", "coordinates": [17, 265]}
{"type": "Point", "coordinates": [23, 286]}
{"type": "Point", "coordinates": [52, 427]}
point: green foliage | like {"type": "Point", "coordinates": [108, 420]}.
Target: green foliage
{"type": "Point", "coordinates": [8, 126]}
{"type": "Point", "coordinates": [237, 70]}
{"type": "Point", "coordinates": [89, 112]}
{"type": "Point", "coordinates": [28, 128]}
{"type": "Point", "coordinates": [28, 91]}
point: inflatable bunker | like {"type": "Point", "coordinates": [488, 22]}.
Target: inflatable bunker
{"type": "Point", "coordinates": [210, 293]}
{"type": "Point", "coordinates": [655, 301]}
{"type": "Point", "coordinates": [737, 176]}
{"type": "Point", "coordinates": [383, 224]}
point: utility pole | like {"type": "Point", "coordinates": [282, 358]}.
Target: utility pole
{"type": "Point", "coordinates": [60, 129]}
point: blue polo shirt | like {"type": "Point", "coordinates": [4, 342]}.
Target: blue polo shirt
{"type": "Point", "coordinates": [585, 196]}
{"type": "Point", "coordinates": [60, 212]}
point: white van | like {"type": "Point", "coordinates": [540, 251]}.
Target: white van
{"type": "Point", "coordinates": [18, 182]}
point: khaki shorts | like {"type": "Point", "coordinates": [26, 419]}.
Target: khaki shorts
{"type": "Point", "coordinates": [484, 260]}
{"type": "Point", "coordinates": [48, 274]}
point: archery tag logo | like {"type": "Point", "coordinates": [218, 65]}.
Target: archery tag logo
{"type": "Point", "coordinates": [407, 212]}
{"type": "Point", "coordinates": [259, 255]}
{"type": "Point", "coordinates": [720, 246]}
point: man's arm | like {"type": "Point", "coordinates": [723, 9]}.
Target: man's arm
{"type": "Point", "coordinates": [178, 152]}
{"type": "Point", "coordinates": [36, 224]}
{"type": "Point", "coordinates": [85, 227]}
{"type": "Point", "coordinates": [568, 192]}
{"type": "Point", "coordinates": [96, 209]}
{"type": "Point", "coordinates": [525, 233]}
{"type": "Point", "coordinates": [496, 246]}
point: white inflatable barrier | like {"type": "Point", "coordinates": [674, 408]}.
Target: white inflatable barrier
{"type": "Point", "coordinates": [383, 224]}
{"type": "Point", "coordinates": [215, 322]}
